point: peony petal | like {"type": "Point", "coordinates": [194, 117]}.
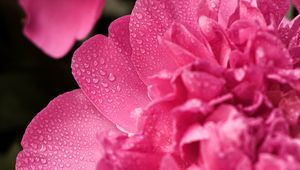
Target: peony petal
{"type": "Point", "coordinates": [124, 160]}
{"type": "Point", "coordinates": [226, 10]}
{"type": "Point", "coordinates": [269, 51]}
{"type": "Point", "coordinates": [290, 104]}
{"type": "Point", "coordinates": [249, 12]}
{"type": "Point", "coordinates": [151, 19]}
{"type": "Point", "coordinates": [168, 163]}
{"type": "Point", "coordinates": [273, 10]}
{"type": "Point", "coordinates": [103, 70]}
{"type": "Point", "coordinates": [132, 153]}
{"type": "Point", "coordinates": [64, 135]}
{"type": "Point", "coordinates": [269, 161]}
{"type": "Point", "coordinates": [217, 38]}
{"type": "Point", "coordinates": [183, 43]}
{"type": "Point", "coordinates": [202, 85]}
{"type": "Point", "coordinates": [160, 85]}
{"type": "Point", "coordinates": [220, 151]}
{"type": "Point", "coordinates": [54, 25]}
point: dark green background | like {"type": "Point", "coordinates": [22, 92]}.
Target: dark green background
{"type": "Point", "coordinates": [28, 78]}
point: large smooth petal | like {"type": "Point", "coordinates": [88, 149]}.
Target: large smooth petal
{"type": "Point", "coordinates": [64, 135]}
{"type": "Point", "coordinates": [54, 25]}
{"type": "Point", "coordinates": [150, 20]}
{"type": "Point", "coordinates": [103, 70]}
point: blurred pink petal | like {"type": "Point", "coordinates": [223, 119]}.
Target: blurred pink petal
{"type": "Point", "coordinates": [133, 153]}
{"type": "Point", "coordinates": [64, 135]}
{"type": "Point", "coordinates": [268, 161]}
{"type": "Point", "coordinates": [55, 25]}
{"type": "Point", "coordinates": [168, 163]}
{"type": "Point", "coordinates": [103, 70]}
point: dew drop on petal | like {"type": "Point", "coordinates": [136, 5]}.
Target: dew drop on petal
{"type": "Point", "coordinates": [111, 77]}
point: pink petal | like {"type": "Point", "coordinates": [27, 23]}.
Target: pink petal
{"type": "Point", "coordinates": [168, 163]}
{"type": "Point", "coordinates": [132, 153]}
{"type": "Point", "coordinates": [269, 51]}
{"type": "Point", "coordinates": [54, 25]}
{"type": "Point", "coordinates": [185, 47]}
{"type": "Point", "coordinates": [64, 135]}
{"type": "Point", "coordinates": [193, 111]}
{"type": "Point", "coordinates": [126, 160]}
{"type": "Point", "coordinates": [250, 12]}
{"type": "Point", "coordinates": [273, 10]}
{"type": "Point", "coordinates": [202, 85]}
{"type": "Point", "coordinates": [222, 113]}
{"type": "Point", "coordinates": [271, 162]}
{"type": "Point", "coordinates": [158, 126]}
{"type": "Point", "coordinates": [217, 39]}
{"type": "Point", "coordinates": [226, 10]}
{"type": "Point", "coordinates": [151, 19]}
{"type": "Point", "coordinates": [194, 133]}
{"type": "Point", "coordinates": [220, 151]}
{"type": "Point", "coordinates": [160, 85]}
{"type": "Point", "coordinates": [103, 70]}
{"type": "Point", "coordinates": [290, 103]}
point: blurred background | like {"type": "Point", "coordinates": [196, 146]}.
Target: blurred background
{"type": "Point", "coordinates": [29, 79]}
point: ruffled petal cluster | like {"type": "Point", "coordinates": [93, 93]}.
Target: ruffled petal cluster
{"type": "Point", "coordinates": [196, 85]}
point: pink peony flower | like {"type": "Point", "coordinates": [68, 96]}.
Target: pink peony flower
{"type": "Point", "coordinates": [54, 25]}
{"type": "Point", "coordinates": [197, 85]}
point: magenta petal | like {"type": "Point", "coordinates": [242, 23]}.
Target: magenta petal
{"type": "Point", "coordinates": [271, 162]}
{"type": "Point", "coordinates": [64, 135]}
{"type": "Point", "coordinates": [54, 25]}
{"type": "Point", "coordinates": [168, 163]}
{"type": "Point", "coordinates": [178, 38]}
{"type": "Point", "coordinates": [273, 10]}
{"type": "Point", "coordinates": [202, 85]}
{"type": "Point", "coordinates": [103, 70]}
{"type": "Point", "coordinates": [128, 153]}
{"type": "Point", "coordinates": [151, 19]}
{"type": "Point", "coordinates": [220, 151]}
{"type": "Point", "coordinates": [217, 39]}
{"type": "Point", "coordinates": [226, 10]}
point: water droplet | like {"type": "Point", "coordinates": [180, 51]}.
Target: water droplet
{"type": "Point", "coordinates": [111, 77]}
{"type": "Point", "coordinates": [139, 16]}
{"type": "Point", "coordinates": [44, 161]}
{"type": "Point", "coordinates": [118, 88]}
{"type": "Point", "coordinates": [95, 80]}
{"type": "Point", "coordinates": [102, 72]}
{"type": "Point", "coordinates": [102, 60]}
{"type": "Point", "coordinates": [95, 63]}
{"type": "Point", "coordinates": [104, 84]}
